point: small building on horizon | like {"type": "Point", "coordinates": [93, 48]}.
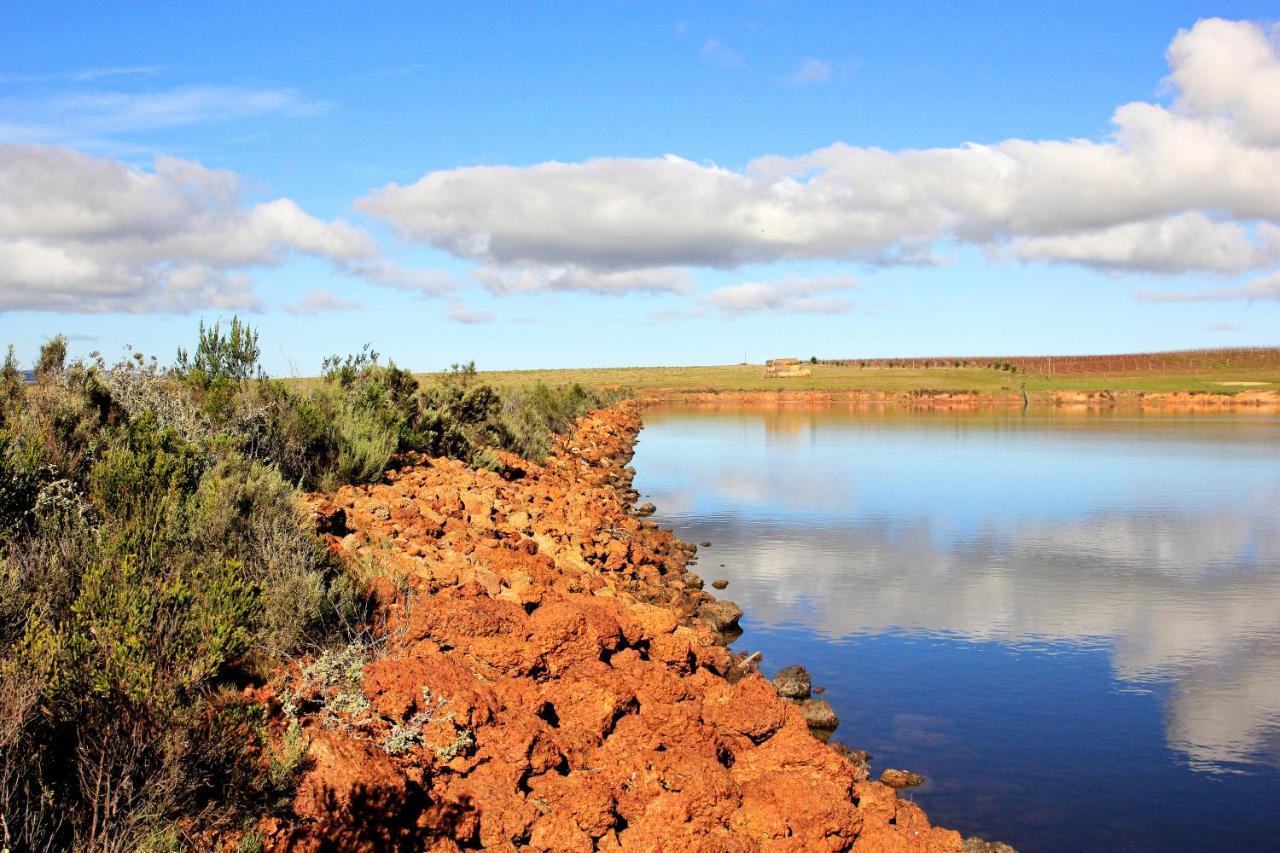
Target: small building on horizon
{"type": "Point", "coordinates": [784, 368]}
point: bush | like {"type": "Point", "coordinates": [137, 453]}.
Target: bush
{"type": "Point", "coordinates": [231, 357]}
{"type": "Point", "coordinates": [53, 357]}
{"type": "Point", "coordinates": [532, 417]}
{"type": "Point", "coordinates": [154, 559]}
{"type": "Point", "coordinates": [365, 443]}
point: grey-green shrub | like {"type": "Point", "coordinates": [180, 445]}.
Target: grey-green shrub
{"type": "Point", "coordinates": [154, 558]}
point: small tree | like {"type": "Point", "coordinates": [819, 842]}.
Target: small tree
{"type": "Point", "coordinates": [53, 357]}
{"type": "Point", "coordinates": [344, 372]}
{"type": "Point", "coordinates": [220, 358]}
{"type": "Point", "coordinates": [461, 374]}
{"type": "Point", "coordinates": [221, 365]}
{"type": "Point", "coordinates": [10, 377]}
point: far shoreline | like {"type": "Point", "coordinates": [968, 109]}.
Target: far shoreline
{"type": "Point", "coordinates": [1193, 380]}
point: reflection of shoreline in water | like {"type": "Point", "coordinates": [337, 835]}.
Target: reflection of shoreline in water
{"type": "Point", "coordinates": [1188, 593]}
{"type": "Point", "coordinates": [799, 423]}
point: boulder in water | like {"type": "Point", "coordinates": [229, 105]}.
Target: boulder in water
{"type": "Point", "coordinates": [720, 615]}
{"type": "Point", "coordinates": [901, 778]}
{"type": "Point", "coordinates": [792, 682]}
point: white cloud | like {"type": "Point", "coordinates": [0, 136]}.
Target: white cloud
{"type": "Point", "coordinates": [87, 235]}
{"type": "Point", "coordinates": [1180, 596]}
{"type": "Point", "coordinates": [1189, 187]}
{"type": "Point", "coordinates": [1228, 70]}
{"type": "Point", "coordinates": [90, 115]}
{"type": "Point", "coordinates": [1265, 287]}
{"type": "Point", "coordinates": [318, 302]}
{"type": "Point", "coordinates": [460, 313]}
{"type": "Point", "coordinates": [795, 295]}
{"type": "Point", "coordinates": [538, 278]}
{"type": "Point", "coordinates": [809, 71]}
{"type": "Point", "coordinates": [1181, 243]}
{"type": "Point", "coordinates": [429, 282]}
{"type": "Point", "coordinates": [720, 53]}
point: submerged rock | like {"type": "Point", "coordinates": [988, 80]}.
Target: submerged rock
{"type": "Point", "coordinates": [792, 682]}
{"type": "Point", "coordinates": [901, 778]}
{"type": "Point", "coordinates": [974, 844]}
{"type": "Point", "coordinates": [719, 583]}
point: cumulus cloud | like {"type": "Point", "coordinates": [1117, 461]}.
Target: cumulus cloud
{"type": "Point", "coordinates": [795, 295]}
{"type": "Point", "coordinates": [1227, 70]}
{"type": "Point", "coordinates": [809, 71]}
{"type": "Point", "coordinates": [1265, 287]}
{"type": "Point", "coordinates": [1187, 187]}
{"type": "Point", "coordinates": [87, 234]}
{"type": "Point", "coordinates": [318, 302]}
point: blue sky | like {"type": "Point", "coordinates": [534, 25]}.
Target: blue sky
{"type": "Point", "coordinates": [167, 162]}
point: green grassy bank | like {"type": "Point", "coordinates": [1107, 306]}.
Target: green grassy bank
{"type": "Point", "coordinates": [748, 377]}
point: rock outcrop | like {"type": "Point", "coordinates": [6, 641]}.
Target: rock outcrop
{"type": "Point", "coordinates": [548, 675]}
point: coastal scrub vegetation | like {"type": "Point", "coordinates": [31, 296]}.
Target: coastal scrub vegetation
{"type": "Point", "coordinates": [155, 562]}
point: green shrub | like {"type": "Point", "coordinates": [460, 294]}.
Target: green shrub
{"type": "Point", "coordinates": [365, 443]}
{"type": "Point", "coordinates": [22, 474]}
{"type": "Point", "coordinates": [244, 510]}
{"type": "Point", "coordinates": [533, 416]}
{"type": "Point", "coordinates": [290, 760]}
{"type": "Point", "coordinates": [154, 558]}
{"type": "Point", "coordinates": [154, 638]}
{"type": "Point", "coordinates": [250, 842]}
{"type": "Point", "coordinates": [231, 357]}
{"type": "Point", "coordinates": [11, 381]}
{"type": "Point", "coordinates": [53, 357]}
{"type": "Point", "coordinates": [296, 434]}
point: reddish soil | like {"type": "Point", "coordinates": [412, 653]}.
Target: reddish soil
{"type": "Point", "coordinates": [1178, 361]}
{"type": "Point", "coordinates": [577, 700]}
{"type": "Point", "coordinates": [1267, 402]}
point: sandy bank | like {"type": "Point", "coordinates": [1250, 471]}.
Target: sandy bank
{"type": "Point", "coordinates": [548, 678]}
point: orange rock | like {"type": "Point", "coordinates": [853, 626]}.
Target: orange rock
{"type": "Point", "coordinates": [585, 698]}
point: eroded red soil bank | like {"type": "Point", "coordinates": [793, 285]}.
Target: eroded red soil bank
{"type": "Point", "coordinates": [549, 678]}
{"type": "Point", "coordinates": [1184, 401]}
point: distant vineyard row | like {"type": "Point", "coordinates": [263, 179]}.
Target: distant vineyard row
{"type": "Point", "coordinates": [1181, 361]}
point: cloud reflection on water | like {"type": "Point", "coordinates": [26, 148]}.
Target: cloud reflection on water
{"type": "Point", "coordinates": [1178, 577]}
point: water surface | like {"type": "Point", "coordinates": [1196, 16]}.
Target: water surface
{"type": "Point", "coordinates": [1070, 624]}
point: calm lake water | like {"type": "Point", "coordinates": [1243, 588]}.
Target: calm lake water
{"type": "Point", "coordinates": [1069, 623]}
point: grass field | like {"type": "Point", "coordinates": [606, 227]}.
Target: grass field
{"type": "Point", "coordinates": [746, 377]}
